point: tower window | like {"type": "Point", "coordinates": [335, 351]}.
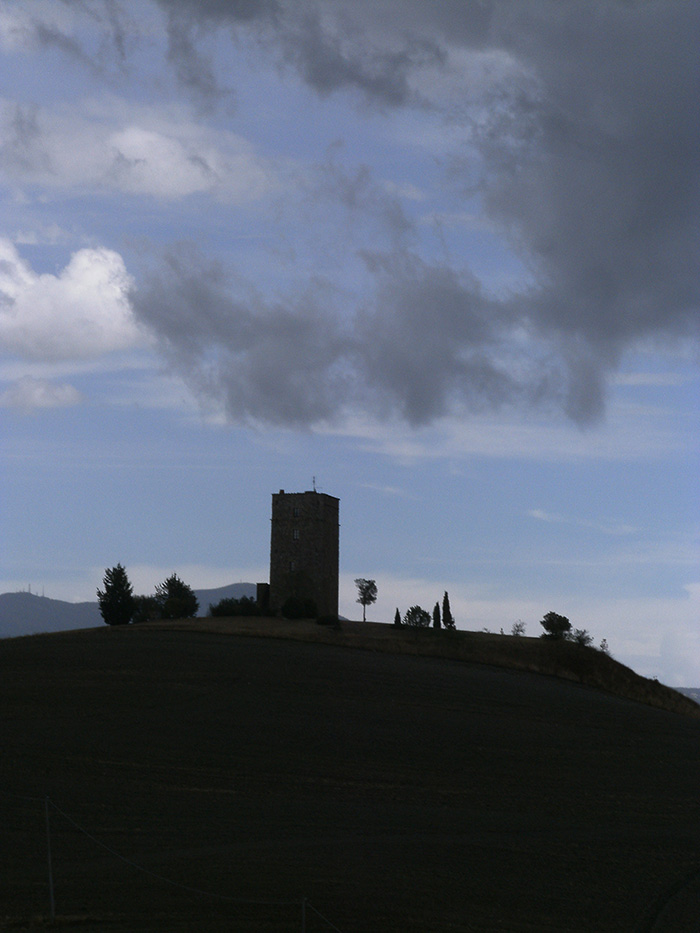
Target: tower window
{"type": "Point", "coordinates": [295, 534]}
{"type": "Point", "coordinates": [295, 511]}
{"type": "Point", "coordinates": [292, 566]}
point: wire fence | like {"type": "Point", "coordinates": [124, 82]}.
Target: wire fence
{"type": "Point", "coordinates": [303, 905]}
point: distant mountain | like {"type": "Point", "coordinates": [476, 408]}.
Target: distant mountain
{"type": "Point", "coordinates": [692, 692]}
{"type": "Point", "coordinates": [28, 614]}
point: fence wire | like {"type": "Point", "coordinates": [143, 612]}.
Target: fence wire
{"type": "Point", "coordinates": [47, 803]}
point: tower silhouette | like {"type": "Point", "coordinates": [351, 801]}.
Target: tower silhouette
{"type": "Point", "coordinates": [305, 550]}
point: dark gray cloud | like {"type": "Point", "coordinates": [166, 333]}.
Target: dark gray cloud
{"type": "Point", "coordinates": [281, 363]}
{"type": "Point", "coordinates": [589, 155]}
{"type": "Point", "coordinates": [426, 339]}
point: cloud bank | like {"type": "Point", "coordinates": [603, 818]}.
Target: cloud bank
{"type": "Point", "coordinates": [574, 127]}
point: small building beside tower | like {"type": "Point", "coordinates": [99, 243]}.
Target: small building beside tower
{"type": "Point", "coordinates": [305, 550]}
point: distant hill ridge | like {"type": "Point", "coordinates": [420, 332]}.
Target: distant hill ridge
{"type": "Point", "coordinates": [29, 614]}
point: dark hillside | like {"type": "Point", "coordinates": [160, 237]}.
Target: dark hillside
{"type": "Point", "coordinates": [396, 792]}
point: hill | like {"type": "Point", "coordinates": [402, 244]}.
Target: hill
{"type": "Point", "coordinates": [561, 659]}
{"type": "Point", "coordinates": [28, 614]}
{"type": "Point", "coordinates": [396, 792]}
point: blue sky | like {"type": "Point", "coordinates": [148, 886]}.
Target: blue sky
{"type": "Point", "coordinates": [441, 257]}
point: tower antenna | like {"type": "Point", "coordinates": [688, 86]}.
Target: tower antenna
{"type": "Point", "coordinates": [313, 479]}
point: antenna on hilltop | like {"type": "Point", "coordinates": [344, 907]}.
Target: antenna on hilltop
{"type": "Point", "coordinates": [313, 480]}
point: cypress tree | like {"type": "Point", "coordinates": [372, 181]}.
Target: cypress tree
{"type": "Point", "coordinates": [117, 604]}
{"type": "Point", "coordinates": [436, 616]}
{"type": "Point", "coordinates": [447, 618]}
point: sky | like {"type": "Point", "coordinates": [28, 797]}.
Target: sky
{"type": "Point", "coordinates": [439, 259]}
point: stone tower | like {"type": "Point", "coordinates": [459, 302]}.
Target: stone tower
{"type": "Point", "coordinates": [305, 549]}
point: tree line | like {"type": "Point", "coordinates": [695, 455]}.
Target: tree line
{"type": "Point", "coordinates": [173, 599]}
{"type": "Point", "coordinates": [417, 617]}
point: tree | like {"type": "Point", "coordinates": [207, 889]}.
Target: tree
{"type": "Point", "coordinates": [447, 618]}
{"type": "Point", "coordinates": [417, 617]}
{"type": "Point", "coordinates": [176, 600]}
{"type": "Point", "coordinates": [366, 594]}
{"type": "Point", "coordinates": [582, 637]}
{"type": "Point", "coordinates": [436, 616]}
{"type": "Point", "coordinates": [518, 628]}
{"type": "Point", "coordinates": [116, 600]}
{"type": "Point", "coordinates": [555, 626]}
{"type": "Point", "coordinates": [397, 618]}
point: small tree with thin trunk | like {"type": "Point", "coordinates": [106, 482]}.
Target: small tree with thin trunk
{"type": "Point", "coordinates": [116, 600]}
{"type": "Point", "coordinates": [366, 594]}
{"type": "Point", "coordinates": [436, 616]}
{"type": "Point", "coordinates": [447, 618]}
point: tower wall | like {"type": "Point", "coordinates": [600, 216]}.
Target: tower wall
{"type": "Point", "coordinates": [305, 549]}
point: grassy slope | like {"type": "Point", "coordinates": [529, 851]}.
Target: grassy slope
{"type": "Point", "coordinates": [398, 793]}
{"type": "Point", "coordinates": [537, 655]}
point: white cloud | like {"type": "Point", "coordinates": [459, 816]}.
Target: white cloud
{"type": "Point", "coordinates": [607, 528]}
{"type": "Point", "coordinates": [81, 312]}
{"type": "Point", "coordinates": [137, 150]}
{"type": "Point", "coordinates": [29, 393]}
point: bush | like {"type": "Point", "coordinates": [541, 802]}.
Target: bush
{"type": "Point", "coordinates": [147, 609]}
{"type": "Point", "coordinates": [231, 608]}
{"type": "Point", "coordinates": [417, 617]}
{"type": "Point", "coordinates": [333, 621]}
{"type": "Point", "coordinates": [581, 637]}
{"type": "Point", "coordinates": [555, 626]}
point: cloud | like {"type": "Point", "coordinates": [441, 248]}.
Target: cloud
{"type": "Point", "coordinates": [279, 363]}
{"type": "Point", "coordinates": [606, 528]}
{"type": "Point", "coordinates": [583, 162]}
{"type": "Point", "coordinates": [138, 151]}
{"type": "Point", "coordinates": [81, 312]}
{"type": "Point", "coordinates": [30, 393]}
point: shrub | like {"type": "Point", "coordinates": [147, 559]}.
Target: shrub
{"type": "Point", "coordinates": [417, 617]}
{"type": "Point", "coordinates": [231, 607]}
{"type": "Point", "coordinates": [147, 609]}
{"type": "Point", "coordinates": [333, 621]}
{"type": "Point", "coordinates": [555, 626]}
